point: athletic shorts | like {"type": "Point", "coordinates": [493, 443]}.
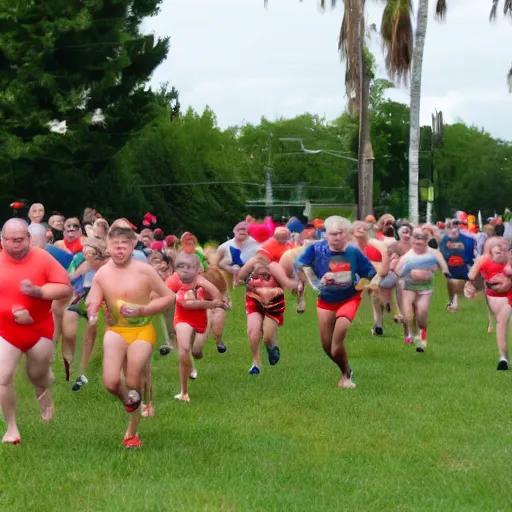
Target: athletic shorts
{"type": "Point", "coordinates": [78, 304]}
{"type": "Point", "coordinates": [345, 309]}
{"type": "Point", "coordinates": [25, 337]}
{"type": "Point", "coordinates": [274, 309]}
{"type": "Point", "coordinates": [131, 334]}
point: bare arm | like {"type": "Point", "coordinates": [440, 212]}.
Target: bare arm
{"type": "Point", "coordinates": [54, 291]}
{"type": "Point", "coordinates": [475, 269]}
{"type": "Point", "coordinates": [280, 276]}
{"type": "Point", "coordinates": [164, 297]}
{"type": "Point", "coordinates": [441, 262]}
{"type": "Point", "coordinates": [209, 288]}
{"type": "Point", "coordinates": [94, 297]}
{"type": "Point", "coordinates": [81, 270]}
{"type": "Point", "coordinates": [248, 267]}
{"type": "Point", "coordinates": [384, 264]}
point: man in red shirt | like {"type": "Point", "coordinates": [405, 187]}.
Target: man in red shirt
{"type": "Point", "coordinates": [30, 279]}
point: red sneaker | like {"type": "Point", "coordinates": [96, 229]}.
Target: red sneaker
{"type": "Point", "coordinates": [132, 442]}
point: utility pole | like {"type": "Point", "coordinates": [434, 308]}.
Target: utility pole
{"type": "Point", "coordinates": [269, 197]}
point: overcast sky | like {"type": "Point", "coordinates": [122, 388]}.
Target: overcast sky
{"type": "Point", "coordinates": [245, 61]}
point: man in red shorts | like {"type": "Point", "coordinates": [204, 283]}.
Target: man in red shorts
{"type": "Point", "coordinates": [333, 268]}
{"type": "Point", "coordinates": [30, 279]}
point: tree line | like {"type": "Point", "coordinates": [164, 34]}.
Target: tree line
{"type": "Point", "coordinates": [79, 126]}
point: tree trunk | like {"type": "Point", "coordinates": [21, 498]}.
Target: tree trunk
{"type": "Point", "coordinates": [414, 129]}
{"type": "Point", "coordinates": [365, 153]}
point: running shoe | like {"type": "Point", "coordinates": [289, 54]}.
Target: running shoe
{"type": "Point", "coordinates": [408, 340]}
{"type": "Point", "coordinates": [164, 350]}
{"type": "Point", "coordinates": [502, 365]}
{"type": "Point", "coordinates": [421, 345]}
{"type": "Point", "coordinates": [81, 381]}
{"type": "Point", "coordinates": [254, 370]}
{"type": "Point", "coordinates": [221, 348]}
{"type": "Point", "coordinates": [377, 331]}
{"type": "Point", "coordinates": [273, 355]}
{"type": "Point", "coordinates": [134, 401]}
{"type": "Point", "coordinates": [132, 442]}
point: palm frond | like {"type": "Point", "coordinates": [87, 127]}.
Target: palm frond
{"type": "Point", "coordinates": [397, 38]}
{"type": "Point", "coordinates": [348, 46]}
{"type": "Point", "coordinates": [509, 79]}
{"type": "Point", "coordinates": [441, 9]}
{"type": "Point", "coordinates": [494, 10]}
{"type": "Point", "coordinates": [323, 2]}
{"type": "Point", "coordinates": [507, 7]}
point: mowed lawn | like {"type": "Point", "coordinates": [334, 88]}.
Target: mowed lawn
{"type": "Point", "coordinates": [426, 431]}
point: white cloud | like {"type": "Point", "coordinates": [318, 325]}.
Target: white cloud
{"type": "Point", "coordinates": [245, 61]}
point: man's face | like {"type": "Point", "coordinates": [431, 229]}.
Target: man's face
{"type": "Point", "coordinates": [120, 249]}
{"type": "Point", "coordinates": [282, 237]}
{"type": "Point", "coordinates": [405, 234]}
{"type": "Point", "coordinates": [16, 242]}
{"type": "Point", "coordinates": [454, 231]}
{"type": "Point", "coordinates": [241, 234]}
{"type": "Point", "coordinates": [90, 215]}
{"type": "Point", "coordinates": [36, 213]}
{"type": "Point", "coordinates": [56, 222]}
{"type": "Point", "coordinates": [187, 270]}
{"type": "Point", "coordinates": [146, 237]}
{"type": "Point", "coordinates": [337, 239]}
{"type": "Point", "coordinates": [359, 230]}
{"type": "Point", "coordinates": [72, 230]}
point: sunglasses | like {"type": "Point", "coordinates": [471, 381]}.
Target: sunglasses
{"type": "Point", "coordinates": [420, 237]}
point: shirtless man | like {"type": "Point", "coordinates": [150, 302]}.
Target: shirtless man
{"type": "Point", "coordinates": [30, 279]}
{"type": "Point", "coordinates": [126, 286]}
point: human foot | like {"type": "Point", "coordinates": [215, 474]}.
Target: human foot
{"type": "Point", "coordinates": [148, 411]}
{"type": "Point", "coordinates": [46, 405]}
{"type": "Point", "coordinates": [12, 436]}
{"type": "Point", "coordinates": [182, 397]}
{"type": "Point", "coordinates": [346, 382]}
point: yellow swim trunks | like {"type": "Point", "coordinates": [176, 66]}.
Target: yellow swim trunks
{"type": "Point", "coordinates": [131, 334]}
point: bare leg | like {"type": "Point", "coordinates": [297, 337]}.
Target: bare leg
{"type": "Point", "coordinates": [70, 322]}
{"type": "Point", "coordinates": [490, 316]}
{"type": "Point", "coordinates": [114, 356]}
{"type": "Point", "coordinates": [88, 346]}
{"type": "Point", "coordinates": [254, 333]}
{"type": "Point", "coordinates": [137, 359]}
{"type": "Point", "coordinates": [217, 323]}
{"type": "Point", "coordinates": [9, 357]}
{"type": "Point", "coordinates": [407, 308]}
{"type": "Point", "coordinates": [378, 314]}
{"type": "Point", "coordinates": [339, 353]}
{"type": "Point", "coordinates": [40, 374]}
{"type": "Point", "coordinates": [58, 309]}
{"type": "Point", "coordinates": [502, 310]}
{"type": "Point", "coordinates": [147, 395]}
{"type": "Point", "coordinates": [184, 336]}
{"type": "Point", "coordinates": [422, 309]}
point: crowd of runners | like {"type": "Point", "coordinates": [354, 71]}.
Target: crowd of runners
{"type": "Point", "coordinates": [140, 282]}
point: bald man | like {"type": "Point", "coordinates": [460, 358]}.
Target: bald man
{"type": "Point", "coordinates": [30, 279]}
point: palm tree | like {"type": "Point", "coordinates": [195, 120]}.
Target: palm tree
{"type": "Point", "coordinates": [401, 54]}
{"type": "Point", "coordinates": [507, 10]}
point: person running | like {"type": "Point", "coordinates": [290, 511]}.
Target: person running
{"type": "Point", "coordinates": [126, 286]}
{"type": "Point", "coordinates": [194, 295]}
{"type": "Point", "coordinates": [459, 251]}
{"type": "Point", "coordinates": [376, 252]}
{"type": "Point", "coordinates": [492, 267]}
{"type": "Point", "coordinates": [417, 268]}
{"type": "Point", "coordinates": [95, 257]}
{"type": "Point", "coordinates": [30, 279]}
{"type": "Point", "coordinates": [333, 268]}
{"type": "Point", "coordinates": [264, 307]}
{"type": "Point", "coordinates": [72, 241]}
{"type": "Point", "coordinates": [235, 253]}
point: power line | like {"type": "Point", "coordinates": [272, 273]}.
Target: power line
{"type": "Point", "coordinates": [192, 184]}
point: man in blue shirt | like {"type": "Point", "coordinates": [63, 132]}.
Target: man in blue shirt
{"type": "Point", "coordinates": [459, 252]}
{"type": "Point", "coordinates": [334, 269]}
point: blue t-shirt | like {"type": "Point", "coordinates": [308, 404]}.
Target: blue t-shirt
{"type": "Point", "coordinates": [459, 253]}
{"type": "Point", "coordinates": [339, 272]}
{"type": "Point", "coordinates": [62, 256]}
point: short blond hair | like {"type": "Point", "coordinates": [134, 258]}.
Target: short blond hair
{"type": "Point", "coordinates": [336, 222]}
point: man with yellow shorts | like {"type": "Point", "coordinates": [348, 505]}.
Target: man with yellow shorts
{"type": "Point", "coordinates": [126, 286]}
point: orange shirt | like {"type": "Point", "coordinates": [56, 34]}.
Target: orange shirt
{"type": "Point", "coordinates": [40, 268]}
{"type": "Point", "coordinates": [273, 250]}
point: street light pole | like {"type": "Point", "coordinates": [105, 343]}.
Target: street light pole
{"type": "Point", "coordinates": [269, 196]}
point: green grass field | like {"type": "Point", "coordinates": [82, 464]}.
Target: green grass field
{"type": "Point", "coordinates": [421, 432]}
